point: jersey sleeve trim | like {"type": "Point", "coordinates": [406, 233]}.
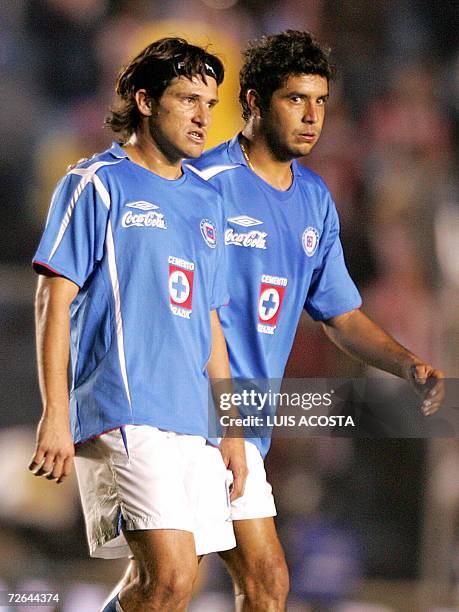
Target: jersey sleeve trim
{"type": "Point", "coordinates": [224, 301]}
{"type": "Point", "coordinates": [333, 312]}
{"type": "Point", "coordinates": [37, 263]}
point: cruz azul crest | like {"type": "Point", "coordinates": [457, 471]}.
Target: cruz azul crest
{"type": "Point", "coordinates": [209, 233]}
{"type": "Point", "coordinates": [270, 298]}
{"type": "Point", "coordinates": [310, 241]}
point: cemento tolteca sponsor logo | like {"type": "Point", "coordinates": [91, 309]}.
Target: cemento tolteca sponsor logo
{"type": "Point", "coordinates": [181, 277]}
{"type": "Point", "coordinates": [270, 298]}
{"type": "Point", "coordinates": [251, 239]}
{"type": "Point", "coordinates": [150, 217]}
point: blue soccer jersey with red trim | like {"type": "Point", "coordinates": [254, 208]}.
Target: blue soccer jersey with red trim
{"type": "Point", "coordinates": [284, 254]}
{"type": "Point", "coordinates": [148, 256]}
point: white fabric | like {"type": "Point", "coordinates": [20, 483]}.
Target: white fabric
{"type": "Point", "coordinates": [163, 480]}
{"type": "Point", "coordinates": [258, 500]}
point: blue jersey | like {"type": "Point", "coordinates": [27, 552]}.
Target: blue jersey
{"type": "Point", "coordinates": [283, 254]}
{"type": "Point", "coordinates": [147, 254]}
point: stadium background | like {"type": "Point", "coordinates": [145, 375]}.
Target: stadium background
{"type": "Point", "coordinates": [367, 524]}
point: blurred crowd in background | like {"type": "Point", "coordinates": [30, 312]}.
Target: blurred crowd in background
{"type": "Point", "coordinates": [366, 524]}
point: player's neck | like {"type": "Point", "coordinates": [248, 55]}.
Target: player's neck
{"type": "Point", "coordinates": [142, 150]}
{"type": "Point", "coordinates": [261, 160]}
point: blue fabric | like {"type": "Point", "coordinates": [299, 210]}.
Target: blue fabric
{"type": "Point", "coordinates": [283, 254]}
{"type": "Point", "coordinates": [148, 256]}
{"type": "Point", "coordinates": [111, 606]}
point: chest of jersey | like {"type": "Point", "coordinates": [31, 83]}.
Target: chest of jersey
{"type": "Point", "coordinates": [148, 219]}
{"type": "Point", "coordinates": [272, 239]}
{"type": "Point", "coordinates": [166, 237]}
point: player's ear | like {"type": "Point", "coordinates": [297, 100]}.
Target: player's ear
{"type": "Point", "coordinates": [253, 101]}
{"type": "Point", "coordinates": [144, 102]}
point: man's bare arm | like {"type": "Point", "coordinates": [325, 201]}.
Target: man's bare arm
{"type": "Point", "coordinates": [231, 448]}
{"type": "Point", "coordinates": [54, 449]}
{"type": "Point", "coordinates": [358, 336]}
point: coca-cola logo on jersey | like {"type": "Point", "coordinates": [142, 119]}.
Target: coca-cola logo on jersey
{"type": "Point", "coordinates": [152, 219]}
{"type": "Point", "coordinates": [253, 239]}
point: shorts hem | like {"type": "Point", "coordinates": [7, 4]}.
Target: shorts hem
{"type": "Point", "coordinates": [215, 539]}
{"type": "Point", "coordinates": [104, 550]}
{"type": "Point", "coordinates": [206, 549]}
{"type": "Point", "coordinates": [143, 524]}
{"type": "Point", "coordinates": [216, 543]}
{"type": "Point", "coordinates": [118, 552]}
{"type": "Point", "coordinates": [247, 516]}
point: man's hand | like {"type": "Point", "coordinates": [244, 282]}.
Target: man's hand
{"type": "Point", "coordinates": [358, 336]}
{"type": "Point", "coordinates": [429, 384]}
{"type": "Point", "coordinates": [54, 452]}
{"type": "Point", "coordinates": [233, 453]}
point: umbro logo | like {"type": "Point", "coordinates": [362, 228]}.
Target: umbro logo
{"type": "Point", "coordinates": [245, 221]}
{"type": "Point", "coordinates": [142, 205]}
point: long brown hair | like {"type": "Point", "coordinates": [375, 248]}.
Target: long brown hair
{"type": "Point", "coordinates": [153, 69]}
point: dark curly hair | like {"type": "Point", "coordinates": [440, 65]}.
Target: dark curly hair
{"type": "Point", "coordinates": [269, 62]}
{"type": "Point", "coordinates": [153, 70]}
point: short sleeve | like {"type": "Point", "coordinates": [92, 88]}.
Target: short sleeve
{"type": "Point", "coordinates": [74, 236]}
{"type": "Point", "coordinates": [332, 291]}
{"type": "Point", "coordinates": [220, 293]}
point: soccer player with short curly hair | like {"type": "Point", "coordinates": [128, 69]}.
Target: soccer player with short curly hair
{"type": "Point", "coordinates": [284, 254]}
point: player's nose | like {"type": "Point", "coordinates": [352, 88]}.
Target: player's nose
{"type": "Point", "coordinates": [202, 115]}
{"type": "Point", "coordinates": [311, 113]}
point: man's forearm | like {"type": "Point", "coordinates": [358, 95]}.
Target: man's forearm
{"type": "Point", "coordinates": [52, 339]}
{"type": "Point", "coordinates": [54, 449]}
{"type": "Point", "coordinates": [357, 335]}
{"type": "Point", "coordinates": [232, 448]}
{"type": "Point", "coordinates": [219, 369]}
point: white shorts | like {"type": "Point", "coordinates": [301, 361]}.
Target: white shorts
{"type": "Point", "coordinates": [258, 500]}
{"type": "Point", "coordinates": [152, 479]}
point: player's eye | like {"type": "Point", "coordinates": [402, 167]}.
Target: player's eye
{"type": "Point", "coordinates": [296, 99]}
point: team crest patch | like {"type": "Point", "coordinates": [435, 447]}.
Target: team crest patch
{"type": "Point", "coordinates": [209, 233]}
{"type": "Point", "coordinates": [270, 298]}
{"type": "Point", "coordinates": [310, 241]}
{"type": "Point", "coordinates": [181, 276]}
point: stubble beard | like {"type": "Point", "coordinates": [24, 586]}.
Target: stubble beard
{"type": "Point", "coordinates": [167, 148]}
{"type": "Point", "coordinates": [279, 147]}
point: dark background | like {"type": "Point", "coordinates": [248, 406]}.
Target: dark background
{"type": "Point", "coordinates": [366, 522]}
